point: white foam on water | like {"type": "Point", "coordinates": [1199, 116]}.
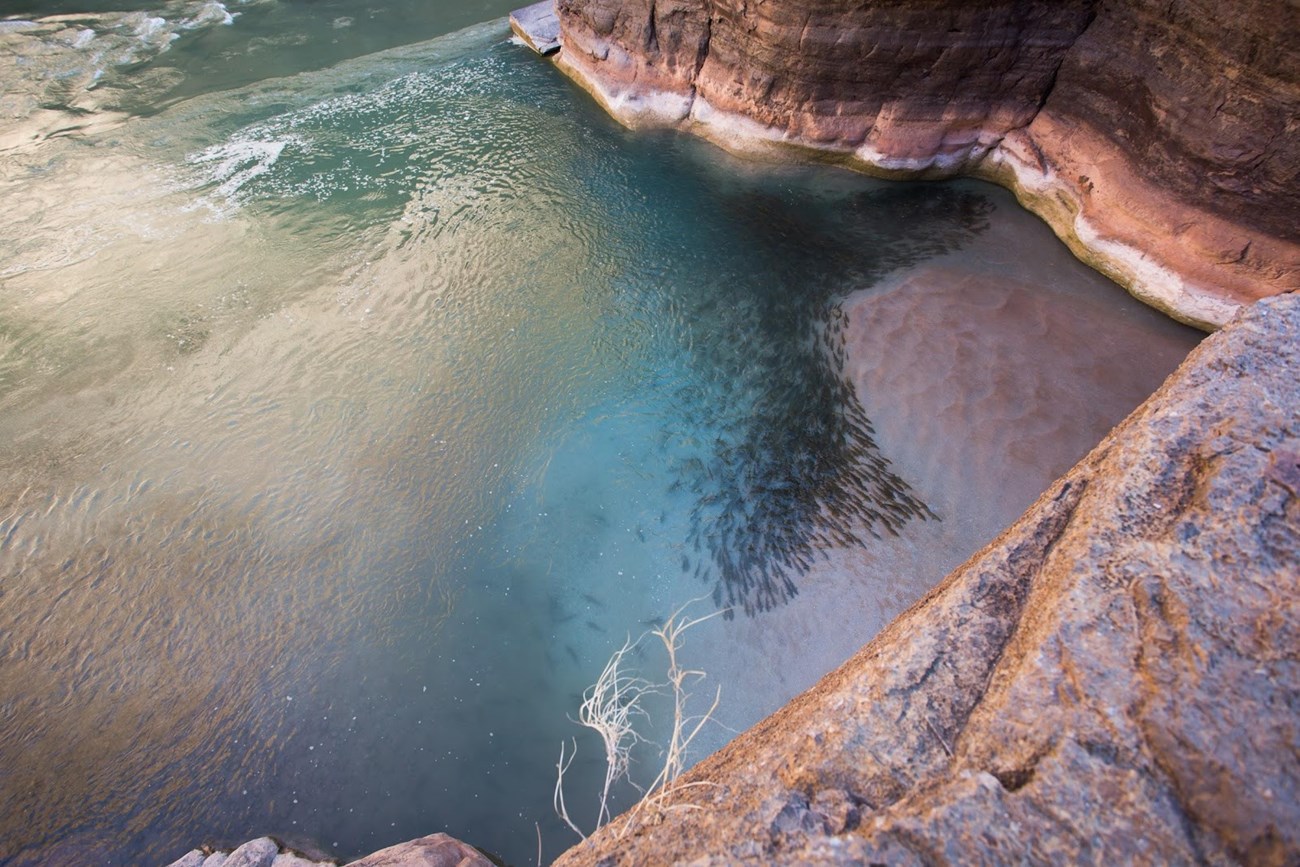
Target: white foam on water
{"type": "Point", "coordinates": [54, 61]}
{"type": "Point", "coordinates": [213, 12]}
{"type": "Point", "coordinates": [231, 166]}
{"type": "Point", "coordinates": [383, 131]}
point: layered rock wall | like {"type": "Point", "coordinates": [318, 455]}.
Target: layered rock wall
{"type": "Point", "coordinates": [923, 82]}
{"type": "Point", "coordinates": [1157, 138]}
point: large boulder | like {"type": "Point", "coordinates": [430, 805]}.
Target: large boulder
{"type": "Point", "coordinates": [1115, 679]}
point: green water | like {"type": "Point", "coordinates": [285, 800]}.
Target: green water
{"type": "Point", "coordinates": [362, 386]}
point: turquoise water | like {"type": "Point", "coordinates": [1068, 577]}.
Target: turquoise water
{"type": "Point", "coordinates": [362, 386]}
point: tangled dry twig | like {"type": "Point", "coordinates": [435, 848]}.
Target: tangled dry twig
{"type": "Point", "coordinates": [610, 705]}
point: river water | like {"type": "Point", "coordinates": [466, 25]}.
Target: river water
{"type": "Point", "coordinates": [362, 387]}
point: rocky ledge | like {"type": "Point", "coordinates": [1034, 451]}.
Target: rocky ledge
{"type": "Point", "coordinates": [1115, 679]}
{"type": "Point", "coordinates": [1157, 137]}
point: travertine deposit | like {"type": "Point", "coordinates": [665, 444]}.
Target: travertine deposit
{"type": "Point", "coordinates": [1115, 679]}
{"type": "Point", "coordinates": [1157, 138]}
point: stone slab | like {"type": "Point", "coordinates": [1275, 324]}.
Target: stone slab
{"type": "Point", "coordinates": [538, 27]}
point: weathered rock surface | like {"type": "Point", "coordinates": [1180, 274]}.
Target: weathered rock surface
{"type": "Point", "coordinates": [1157, 138]}
{"type": "Point", "coordinates": [537, 27]}
{"type": "Point", "coordinates": [1115, 679]}
{"type": "Point", "coordinates": [262, 852]}
{"type": "Point", "coordinates": [436, 850]}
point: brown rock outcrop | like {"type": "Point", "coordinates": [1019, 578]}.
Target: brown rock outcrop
{"type": "Point", "coordinates": [436, 850]}
{"type": "Point", "coordinates": [1157, 138]}
{"type": "Point", "coordinates": [1115, 679]}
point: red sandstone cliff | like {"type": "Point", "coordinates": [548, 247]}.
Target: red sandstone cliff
{"type": "Point", "coordinates": [1157, 137]}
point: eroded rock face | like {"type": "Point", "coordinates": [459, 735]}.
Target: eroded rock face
{"type": "Point", "coordinates": [833, 73]}
{"type": "Point", "coordinates": [1115, 679]}
{"type": "Point", "coordinates": [1158, 138]}
{"type": "Point", "coordinates": [1168, 141]}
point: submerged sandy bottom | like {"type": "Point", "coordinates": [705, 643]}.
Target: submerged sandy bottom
{"type": "Point", "coordinates": [987, 373]}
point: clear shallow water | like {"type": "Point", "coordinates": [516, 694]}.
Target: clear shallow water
{"type": "Point", "coordinates": [355, 406]}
